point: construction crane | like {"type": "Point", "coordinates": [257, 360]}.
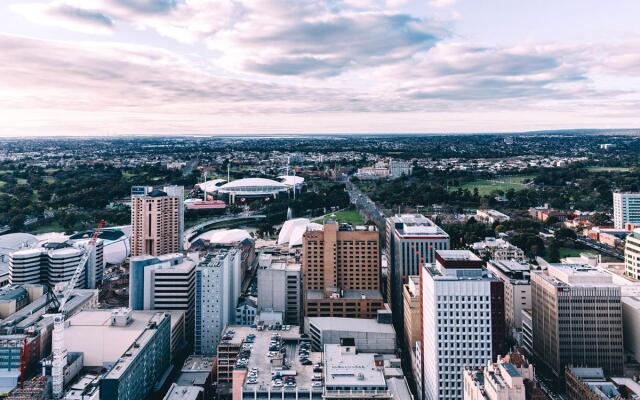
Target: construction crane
{"type": "Point", "coordinates": [58, 349]}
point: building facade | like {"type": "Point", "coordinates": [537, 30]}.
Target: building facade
{"type": "Point", "coordinates": [280, 290]}
{"type": "Point", "coordinates": [577, 318]}
{"type": "Point", "coordinates": [517, 292]}
{"type": "Point", "coordinates": [626, 209]}
{"type": "Point", "coordinates": [499, 250]}
{"type": "Point", "coordinates": [56, 262]}
{"type": "Point", "coordinates": [141, 367]}
{"type": "Point", "coordinates": [157, 221]}
{"type": "Point", "coordinates": [341, 272]}
{"type": "Point", "coordinates": [463, 321]}
{"type": "Point", "coordinates": [411, 241]}
{"type": "Point", "coordinates": [632, 255]}
{"type": "Point", "coordinates": [217, 288]}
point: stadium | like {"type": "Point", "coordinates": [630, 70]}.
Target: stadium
{"type": "Point", "coordinates": [251, 188]}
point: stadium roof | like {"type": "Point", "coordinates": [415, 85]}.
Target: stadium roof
{"type": "Point", "coordinates": [255, 182]}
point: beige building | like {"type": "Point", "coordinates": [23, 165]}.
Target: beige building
{"type": "Point", "coordinates": [505, 379]}
{"type": "Point", "coordinates": [156, 222]}
{"type": "Point", "coordinates": [412, 311]}
{"type": "Point", "coordinates": [632, 255]}
{"type": "Point", "coordinates": [577, 318]}
{"type": "Point", "coordinates": [341, 271]}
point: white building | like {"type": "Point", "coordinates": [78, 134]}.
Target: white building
{"type": "Point", "coordinates": [399, 168]}
{"type": "Point", "coordinates": [370, 336]}
{"type": "Point", "coordinates": [632, 255]}
{"type": "Point", "coordinates": [517, 292]}
{"type": "Point", "coordinates": [461, 328]}
{"type": "Point", "coordinates": [164, 283]}
{"type": "Point", "coordinates": [504, 379]}
{"type": "Point", "coordinates": [498, 249]}
{"type": "Point", "coordinates": [626, 209]}
{"type": "Point", "coordinates": [246, 311]}
{"type": "Point", "coordinates": [280, 290]}
{"type": "Point", "coordinates": [490, 216]}
{"type": "Point", "coordinates": [218, 285]}
{"type": "Point", "coordinates": [54, 263]}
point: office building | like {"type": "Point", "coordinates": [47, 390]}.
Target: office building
{"type": "Point", "coordinates": [56, 262]}
{"type": "Point", "coordinates": [412, 312]}
{"type": "Point", "coordinates": [463, 321]}
{"type": "Point", "coordinates": [369, 335]}
{"type": "Point", "coordinates": [341, 271]}
{"type": "Point", "coordinates": [411, 241]}
{"type": "Point", "coordinates": [516, 277]}
{"type": "Point", "coordinates": [157, 221]}
{"type": "Point", "coordinates": [577, 318]}
{"type": "Point", "coordinates": [280, 289]}
{"type": "Point", "coordinates": [632, 255]}
{"type": "Point", "coordinates": [142, 365]}
{"type": "Point", "coordinates": [499, 250]}
{"type": "Point", "coordinates": [217, 288]}
{"type": "Point", "coordinates": [626, 209]}
{"type": "Point", "coordinates": [197, 372]}
{"type": "Point", "coordinates": [164, 283]}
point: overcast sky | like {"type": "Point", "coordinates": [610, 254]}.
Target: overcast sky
{"type": "Point", "coordinates": [95, 67]}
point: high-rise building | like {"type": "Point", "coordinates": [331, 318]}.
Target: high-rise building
{"type": "Point", "coordinates": [341, 271]}
{"type": "Point", "coordinates": [626, 209]}
{"type": "Point", "coordinates": [632, 255]}
{"type": "Point", "coordinates": [577, 318]}
{"type": "Point", "coordinates": [217, 287]}
{"type": "Point", "coordinates": [56, 262]}
{"type": "Point", "coordinates": [517, 292]}
{"type": "Point", "coordinates": [164, 283]}
{"type": "Point", "coordinates": [280, 290]}
{"type": "Point", "coordinates": [157, 220]}
{"type": "Point", "coordinates": [411, 241]}
{"type": "Point", "coordinates": [463, 321]}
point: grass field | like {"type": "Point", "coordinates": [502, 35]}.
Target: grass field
{"type": "Point", "coordinates": [21, 181]}
{"type": "Point", "coordinates": [609, 169]}
{"type": "Point", "coordinates": [348, 216]}
{"type": "Point", "coordinates": [2, 184]}
{"type": "Point", "coordinates": [51, 227]}
{"type": "Point", "coordinates": [49, 179]}
{"type": "Point", "coordinates": [504, 183]}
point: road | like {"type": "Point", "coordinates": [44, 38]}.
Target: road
{"type": "Point", "coordinates": [602, 248]}
{"type": "Point", "coordinates": [366, 206]}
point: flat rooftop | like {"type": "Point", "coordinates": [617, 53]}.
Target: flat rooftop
{"type": "Point", "coordinates": [134, 349]}
{"type": "Point", "coordinates": [342, 370]}
{"type": "Point", "coordinates": [183, 392]}
{"type": "Point", "coordinates": [351, 324]}
{"type": "Point", "coordinates": [346, 294]}
{"type": "Point", "coordinates": [416, 225]}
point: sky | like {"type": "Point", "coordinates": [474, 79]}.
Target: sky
{"type": "Point", "coordinates": [123, 67]}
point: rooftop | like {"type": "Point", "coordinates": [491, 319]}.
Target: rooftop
{"type": "Point", "coordinates": [343, 369]}
{"type": "Point", "coordinates": [351, 324]}
{"type": "Point", "coordinates": [346, 294]}
{"type": "Point", "coordinates": [416, 225]}
{"type": "Point", "coordinates": [183, 392]}
{"type": "Point", "coordinates": [577, 275]}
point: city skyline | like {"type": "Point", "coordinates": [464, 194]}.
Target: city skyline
{"type": "Point", "coordinates": [104, 67]}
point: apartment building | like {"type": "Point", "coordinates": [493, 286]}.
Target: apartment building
{"type": "Point", "coordinates": [157, 220]}
{"type": "Point", "coordinates": [341, 271]}
{"type": "Point", "coordinates": [632, 255]}
{"type": "Point", "coordinates": [626, 209]}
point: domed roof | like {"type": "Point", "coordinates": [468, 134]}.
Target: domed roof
{"type": "Point", "coordinates": [255, 182]}
{"type": "Point", "coordinates": [15, 241]}
{"type": "Point", "coordinates": [211, 185]}
{"type": "Point", "coordinates": [225, 236]}
{"type": "Point", "coordinates": [291, 180]}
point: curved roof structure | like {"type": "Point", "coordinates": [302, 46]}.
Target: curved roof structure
{"type": "Point", "coordinates": [291, 180]}
{"type": "Point", "coordinates": [212, 185]}
{"type": "Point", "coordinates": [225, 236]}
{"type": "Point", "coordinates": [14, 241]}
{"type": "Point", "coordinates": [253, 187]}
{"type": "Point", "coordinates": [293, 230]}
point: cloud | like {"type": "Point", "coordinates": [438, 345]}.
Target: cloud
{"type": "Point", "coordinates": [63, 15]}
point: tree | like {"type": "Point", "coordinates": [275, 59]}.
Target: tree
{"type": "Point", "coordinates": [563, 234]}
{"type": "Point", "coordinates": [17, 222]}
{"type": "Point", "coordinates": [554, 252]}
{"type": "Point", "coordinates": [600, 219]}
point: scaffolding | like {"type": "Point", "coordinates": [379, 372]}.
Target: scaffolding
{"type": "Point", "coordinates": [34, 389]}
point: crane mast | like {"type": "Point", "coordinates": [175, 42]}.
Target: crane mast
{"type": "Point", "coordinates": [58, 349]}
